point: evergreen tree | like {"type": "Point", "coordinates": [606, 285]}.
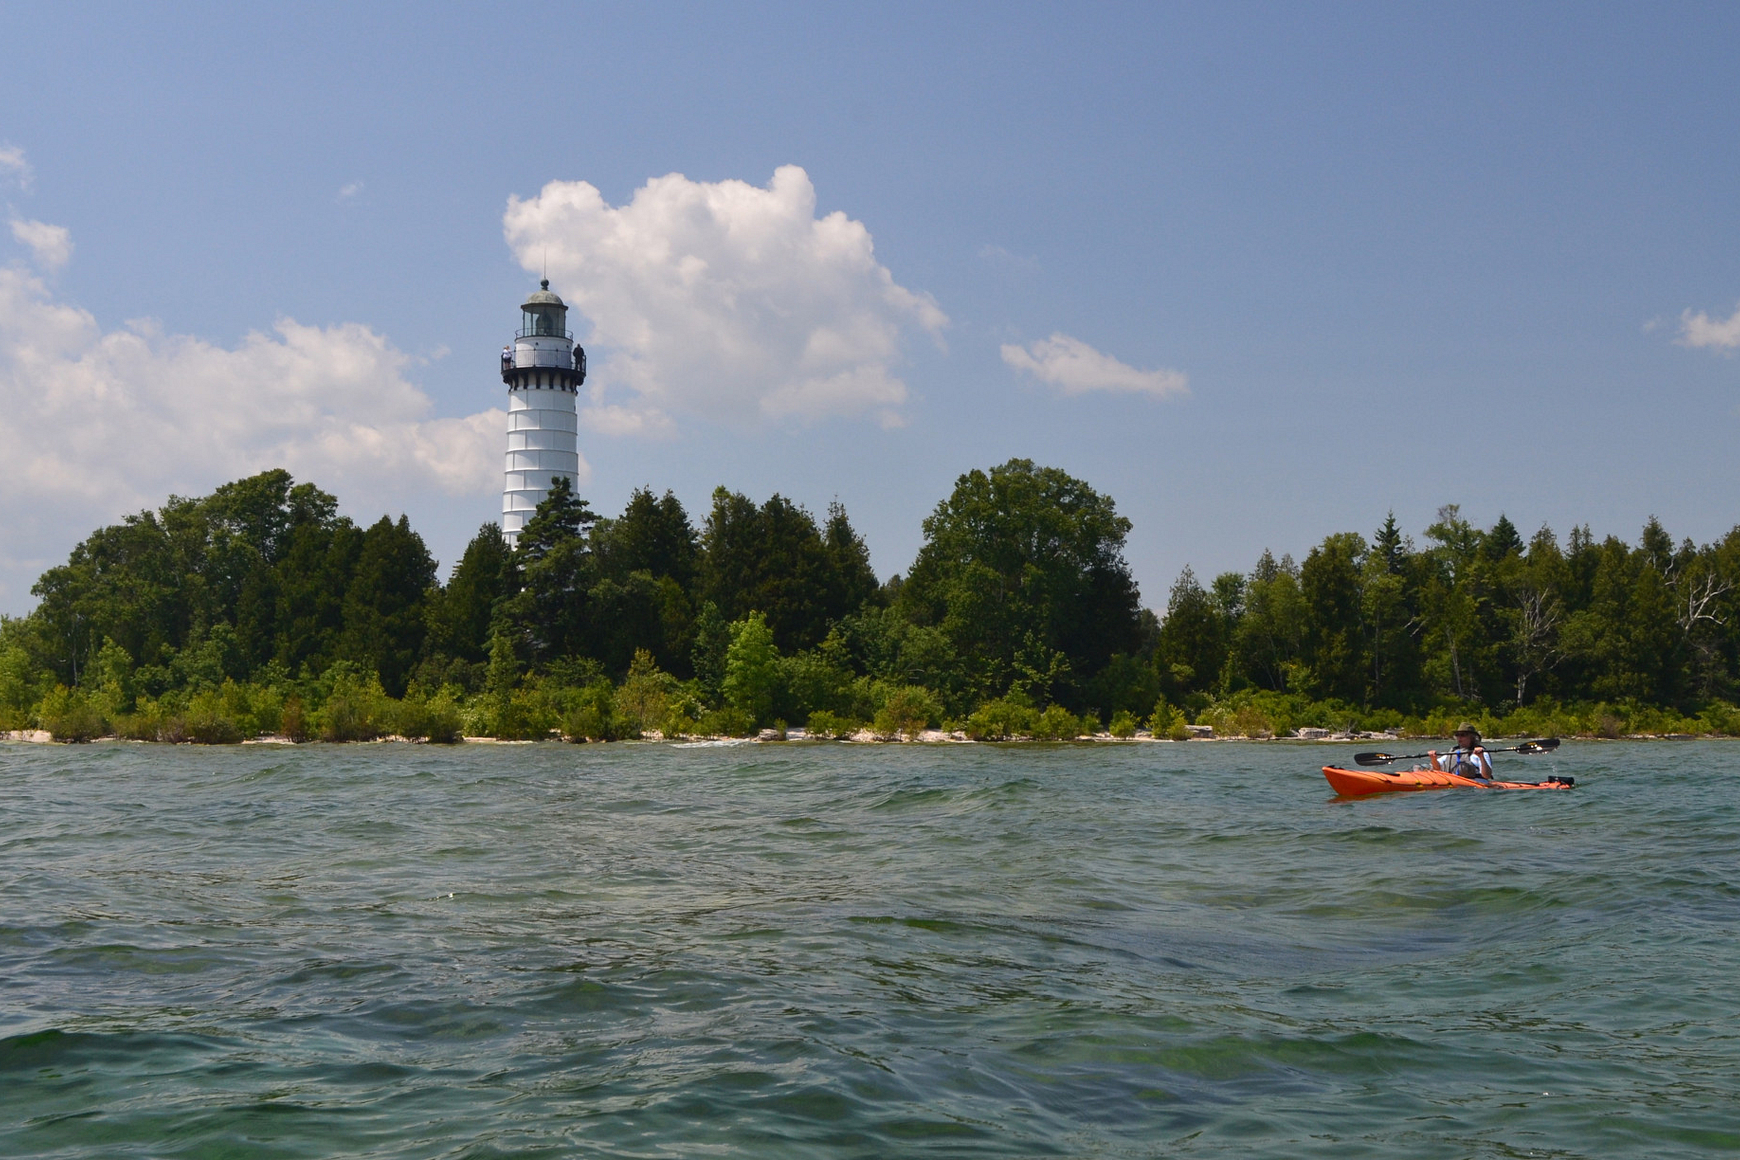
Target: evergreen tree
{"type": "Point", "coordinates": [1192, 648]}
{"type": "Point", "coordinates": [712, 642]}
{"type": "Point", "coordinates": [555, 566]}
{"type": "Point", "coordinates": [1503, 540]}
{"type": "Point", "coordinates": [774, 560]}
{"type": "Point", "coordinates": [1329, 580]}
{"type": "Point", "coordinates": [384, 613]}
{"type": "Point", "coordinates": [460, 615]}
{"type": "Point", "coordinates": [653, 535]}
{"type": "Point", "coordinates": [313, 577]}
{"type": "Point", "coordinates": [1271, 632]}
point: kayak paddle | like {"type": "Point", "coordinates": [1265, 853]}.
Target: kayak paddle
{"type": "Point", "coordinates": [1544, 745]}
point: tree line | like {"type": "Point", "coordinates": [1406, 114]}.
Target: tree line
{"type": "Point", "coordinates": [260, 609]}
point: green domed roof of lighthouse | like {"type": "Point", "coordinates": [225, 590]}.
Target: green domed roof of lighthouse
{"type": "Point", "coordinates": [543, 297]}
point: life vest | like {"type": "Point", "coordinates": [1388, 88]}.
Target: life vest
{"type": "Point", "coordinates": [1465, 763]}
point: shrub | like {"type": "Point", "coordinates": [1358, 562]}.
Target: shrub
{"type": "Point", "coordinates": [683, 711]}
{"type": "Point", "coordinates": [357, 709]}
{"type": "Point", "coordinates": [293, 720]}
{"type": "Point", "coordinates": [266, 709]}
{"type": "Point", "coordinates": [1123, 725]}
{"type": "Point", "coordinates": [20, 687]}
{"type": "Point", "coordinates": [1167, 721]}
{"type": "Point", "coordinates": [211, 717]}
{"type": "Point", "coordinates": [644, 700]}
{"type": "Point", "coordinates": [831, 726]}
{"type": "Point", "coordinates": [1001, 720]}
{"type": "Point", "coordinates": [1057, 724]}
{"type": "Point", "coordinates": [1245, 720]}
{"type": "Point", "coordinates": [813, 682]}
{"type": "Point", "coordinates": [593, 716]}
{"type": "Point", "coordinates": [146, 722]}
{"type": "Point", "coordinates": [523, 714]}
{"type": "Point", "coordinates": [69, 715]}
{"type": "Point", "coordinates": [908, 710]}
{"type": "Point", "coordinates": [1720, 718]}
{"type": "Point", "coordinates": [726, 722]}
{"type": "Point", "coordinates": [435, 719]}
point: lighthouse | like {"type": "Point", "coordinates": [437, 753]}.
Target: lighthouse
{"type": "Point", "coordinates": [543, 371]}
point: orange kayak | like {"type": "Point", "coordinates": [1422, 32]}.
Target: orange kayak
{"type": "Point", "coordinates": [1355, 782]}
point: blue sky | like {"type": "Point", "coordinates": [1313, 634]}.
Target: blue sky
{"type": "Point", "coordinates": [1402, 256]}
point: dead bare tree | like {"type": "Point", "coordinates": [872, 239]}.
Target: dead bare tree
{"type": "Point", "coordinates": [1698, 599]}
{"type": "Point", "coordinates": [1535, 636]}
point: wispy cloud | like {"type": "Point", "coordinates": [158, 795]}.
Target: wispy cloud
{"type": "Point", "coordinates": [1076, 368]}
{"type": "Point", "coordinates": [998, 256]}
{"type": "Point", "coordinates": [50, 245]}
{"type": "Point", "coordinates": [611, 419]}
{"type": "Point", "coordinates": [1701, 331]}
{"type": "Point", "coordinates": [346, 192]}
{"type": "Point", "coordinates": [14, 166]}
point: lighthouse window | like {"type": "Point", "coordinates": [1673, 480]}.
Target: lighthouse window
{"type": "Point", "coordinates": [542, 322]}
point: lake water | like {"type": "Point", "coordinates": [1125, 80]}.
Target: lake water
{"type": "Point", "coordinates": [861, 951]}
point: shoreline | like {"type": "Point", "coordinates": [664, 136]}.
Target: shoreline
{"type": "Point", "coordinates": [865, 737]}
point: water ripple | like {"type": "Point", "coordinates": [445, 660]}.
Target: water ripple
{"type": "Point", "coordinates": [852, 951]}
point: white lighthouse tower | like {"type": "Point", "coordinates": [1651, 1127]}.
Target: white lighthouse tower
{"type": "Point", "coordinates": [543, 373]}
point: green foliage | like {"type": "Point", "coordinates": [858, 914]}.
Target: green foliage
{"type": "Point", "coordinates": [1124, 725]}
{"type": "Point", "coordinates": [653, 535]}
{"type": "Point", "coordinates": [906, 711]}
{"type": "Point", "coordinates": [458, 619]}
{"type": "Point", "coordinates": [1192, 646]}
{"type": "Point", "coordinates": [20, 686]}
{"type": "Point", "coordinates": [1022, 570]}
{"type": "Point", "coordinates": [1058, 724]}
{"type": "Point", "coordinates": [293, 722]}
{"type": "Point", "coordinates": [356, 708]}
{"type": "Point", "coordinates": [524, 714]}
{"type": "Point", "coordinates": [109, 680]}
{"type": "Point", "coordinates": [385, 618]}
{"type": "Point", "coordinates": [752, 671]}
{"type": "Point", "coordinates": [221, 716]}
{"type": "Point", "coordinates": [725, 722]}
{"type": "Point", "coordinates": [712, 642]}
{"type": "Point", "coordinates": [592, 716]}
{"type": "Point", "coordinates": [815, 681]}
{"type": "Point", "coordinates": [644, 701]}
{"type": "Point", "coordinates": [436, 719]}
{"type": "Point", "coordinates": [69, 715]}
{"type": "Point", "coordinates": [776, 561]}
{"type": "Point", "coordinates": [1002, 719]}
{"type": "Point", "coordinates": [1168, 721]}
{"type": "Point", "coordinates": [258, 609]}
{"type": "Point", "coordinates": [553, 559]}
{"type": "Point", "coordinates": [825, 726]}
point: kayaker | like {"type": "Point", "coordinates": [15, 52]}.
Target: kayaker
{"type": "Point", "coordinates": [1468, 759]}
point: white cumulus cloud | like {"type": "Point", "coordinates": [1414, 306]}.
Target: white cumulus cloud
{"type": "Point", "coordinates": [95, 423]}
{"type": "Point", "coordinates": [723, 299]}
{"type": "Point", "coordinates": [51, 245]}
{"type": "Point", "coordinates": [1075, 367]}
{"type": "Point", "coordinates": [1700, 330]}
{"type": "Point", "coordinates": [14, 165]}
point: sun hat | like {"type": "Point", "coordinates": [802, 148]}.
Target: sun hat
{"type": "Point", "coordinates": [1467, 727]}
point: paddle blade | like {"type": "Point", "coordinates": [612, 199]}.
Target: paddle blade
{"type": "Point", "coordinates": [1373, 758]}
{"type": "Point", "coordinates": [1544, 745]}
